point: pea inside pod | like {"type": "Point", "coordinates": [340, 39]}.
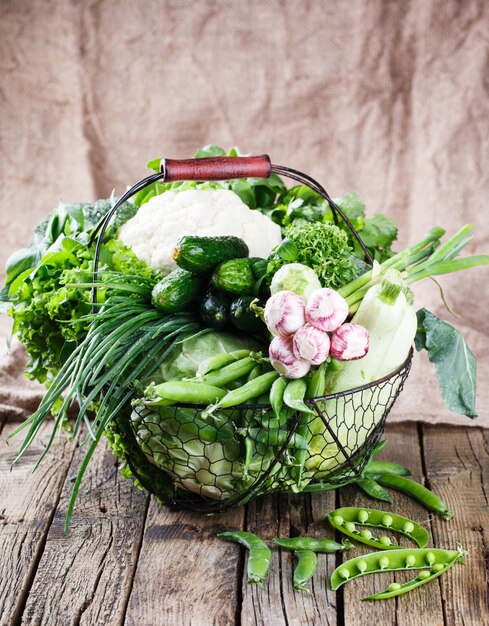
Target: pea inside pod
{"type": "Point", "coordinates": [423, 577]}
{"type": "Point", "coordinates": [347, 519]}
{"type": "Point", "coordinates": [312, 544]}
{"type": "Point", "coordinates": [392, 561]}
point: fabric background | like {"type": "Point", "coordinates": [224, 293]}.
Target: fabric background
{"type": "Point", "coordinates": [387, 98]}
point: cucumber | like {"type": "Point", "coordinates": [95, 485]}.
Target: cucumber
{"type": "Point", "coordinates": [242, 318]}
{"type": "Point", "coordinates": [214, 308]}
{"type": "Point", "coordinates": [175, 291]}
{"type": "Point", "coordinates": [235, 276]}
{"type": "Point", "coordinates": [203, 254]}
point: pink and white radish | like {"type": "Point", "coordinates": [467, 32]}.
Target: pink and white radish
{"type": "Point", "coordinates": [283, 359]}
{"type": "Point", "coordinates": [326, 309]}
{"type": "Point", "coordinates": [350, 342]}
{"type": "Point", "coordinates": [284, 313]}
{"type": "Point", "coordinates": [311, 344]}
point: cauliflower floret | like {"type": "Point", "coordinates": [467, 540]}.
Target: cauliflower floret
{"type": "Point", "coordinates": [155, 229]}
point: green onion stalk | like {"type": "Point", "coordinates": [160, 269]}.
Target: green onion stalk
{"type": "Point", "coordinates": [428, 257]}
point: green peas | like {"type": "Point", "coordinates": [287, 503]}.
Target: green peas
{"type": "Point", "coordinates": [408, 527]}
{"type": "Point", "coordinates": [188, 391]}
{"type": "Point", "coordinates": [311, 544]}
{"type": "Point", "coordinates": [277, 395]}
{"type": "Point", "coordinates": [220, 360]}
{"type": "Point", "coordinates": [294, 396]}
{"type": "Point", "coordinates": [383, 562]}
{"type": "Point", "coordinates": [424, 574]}
{"type": "Point", "coordinates": [307, 562]}
{"type": "Point", "coordinates": [248, 391]}
{"type": "Point", "coordinates": [260, 554]}
{"type": "Point", "coordinates": [344, 520]}
{"type": "Point", "coordinates": [392, 561]}
{"type": "Point", "coordinates": [387, 520]}
{"type": "Point", "coordinates": [394, 586]}
{"type": "Point", "coordinates": [230, 373]}
{"type": "Point", "coordinates": [437, 567]}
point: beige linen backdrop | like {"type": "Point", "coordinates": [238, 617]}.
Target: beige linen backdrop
{"type": "Point", "coordinates": [386, 98]}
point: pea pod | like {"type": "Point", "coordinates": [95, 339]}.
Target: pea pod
{"type": "Point", "coordinates": [392, 561]}
{"type": "Point", "coordinates": [248, 391]}
{"type": "Point", "coordinates": [229, 373]}
{"type": "Point", "coordinates": [294, 396]}
{"type": "Point", "coordinates": [413, 489]}
{"type": "Point", "coordinates": [274, 437]}
{"type": "Point", "coordinates": [387, 467]}
{"type": "Point", "coordinates": [220, 360]}
{"type": "Point", "coordinates": [188, 391]}
{"type": "Point", "coordinates": [277, 395]}
{"type": "Point", "coordinates": [307, 562]}
{"type": "Point", "coordinates": [327, 546]}
{"type": "Point", "coordinates": [396, 589]}
{"type": "Point", "coordinates": [346, 520]}
{"type": "Point", "coordinates": [260, 554]}
{"type": "Point", "coordinates": [373, 489]}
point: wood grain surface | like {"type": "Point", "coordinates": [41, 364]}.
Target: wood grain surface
{"type": "Point", "coordinates": [128, 561]}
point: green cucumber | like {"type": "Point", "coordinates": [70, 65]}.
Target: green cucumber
{"type": "Point", "coordinates": [214, 308]}
{"type": "Point", "coordinates": [202, 254]}
{"type": "Point", "coordinates": [234, 276]}
{"type": "Point", "coordinates": [242, 317]}
{"type": "Point", "coordinates": [175, 291]}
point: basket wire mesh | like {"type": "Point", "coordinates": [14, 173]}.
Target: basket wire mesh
{"type": "Point", "coordinates": [216, 460]}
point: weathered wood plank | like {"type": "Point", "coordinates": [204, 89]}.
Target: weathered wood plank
{"type": "Point", "coordinates": [457, 468]}
{"type": "Point", "coordinates": [403, 448]}
{"type": "Point", "coordinates": [277, 602]}
{"type": "Point", "coordinates": [90, 571]}
{"type": "Point", "coordinates": [27, 504]}
{"type": "Point", "coordinates": [185, 574]}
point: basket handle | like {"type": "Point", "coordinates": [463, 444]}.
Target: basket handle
{"type": "Point", "coordinates": [215, 168]}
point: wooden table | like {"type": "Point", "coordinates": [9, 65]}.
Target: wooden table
{"type": "Point", "coordinates": [129, 561]}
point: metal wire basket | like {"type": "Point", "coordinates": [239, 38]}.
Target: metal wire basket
{"type": "Point", "coordinates": [249, 452]}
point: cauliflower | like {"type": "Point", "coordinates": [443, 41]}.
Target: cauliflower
{"type": "Point", "coordinates": [155, 229]}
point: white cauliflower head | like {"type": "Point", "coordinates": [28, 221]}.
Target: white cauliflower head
{"type": "Point", "coordinates": [155, 229]}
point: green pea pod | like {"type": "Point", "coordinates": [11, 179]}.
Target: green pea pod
{"type": "Point", "coordinates": [346, 520]}
{"type": "Point", "coordinates": [317, 383]}
{"type": "Point", "coordinates": [248, 391]}
{"type": "Point", "coordinates": [255, 372]}
{"type": "Point", "coordinates": [397, 589]}
{"type": "Point", "coordinates": [277, 395]}
{"type": "Point", "coordinates": [413, 489]}
{"type": "Point", "coordinates": [391, 561]}
{"type": "Point", "coordinates": [229, 373]}
{"type": "Point", "coordinates": [260, 554]}
{"type": "Point", "coordinates": [307, 562]}
{"type": "Point", "coordinates": [327, 546]}
{"type": "Point", "coordinates": [188, 391]}
{"type": "Point", "coordinates": [373, 489]}
{"type": "Point", "coordinates": [220, 360]}
{"type": "Point", "coordinates": [386, 467]}
{"type": "Point", "coordinates": [294, 396]}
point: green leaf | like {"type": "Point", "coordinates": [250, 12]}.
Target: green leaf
{"type": "Point", "coordinates": [287, 251]}
{"type": "Point", "coordinates": [455, 364]}
{"type": "Point", "coordinates": [154, 164]}
{"type": "Point", "coordinates": [351, 205]}
{"type": "Point", "coordinates": [210, 150]}
{"type": "Point", "coordinates": [379, 230]}
{"type": "Point", "coordinates": [244, 190]}
{"type": "Point", "coordinates": [20, 261]}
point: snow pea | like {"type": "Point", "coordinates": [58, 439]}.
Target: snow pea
{"type": "Point", "coordinates": [229, 373]}
{"type": "Point", "coordinates": [260, 554]}
{"type": "Point", "coordinates": [310, 543]}
{"type": "Point", "coordinates": [373, 489]}
{"type": "Point", "coordinates": [396, 589]}
{"type": "Point", "coordinates": [307, 562]}
{"type": "Point", "coordinates": [392, 561]}
{"type": "Point", "coordinates": [413, 489]}
{"type": "Point", "coordinates": [294, 396]}
{"type": "Point", "coordinates": [346, 519]}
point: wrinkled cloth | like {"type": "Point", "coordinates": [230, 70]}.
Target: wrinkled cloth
{"type": "Point", "coordinates": [389, 99]}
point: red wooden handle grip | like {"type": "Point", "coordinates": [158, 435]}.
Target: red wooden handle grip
{"type": "Point", "coordinates": [216, 168]}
